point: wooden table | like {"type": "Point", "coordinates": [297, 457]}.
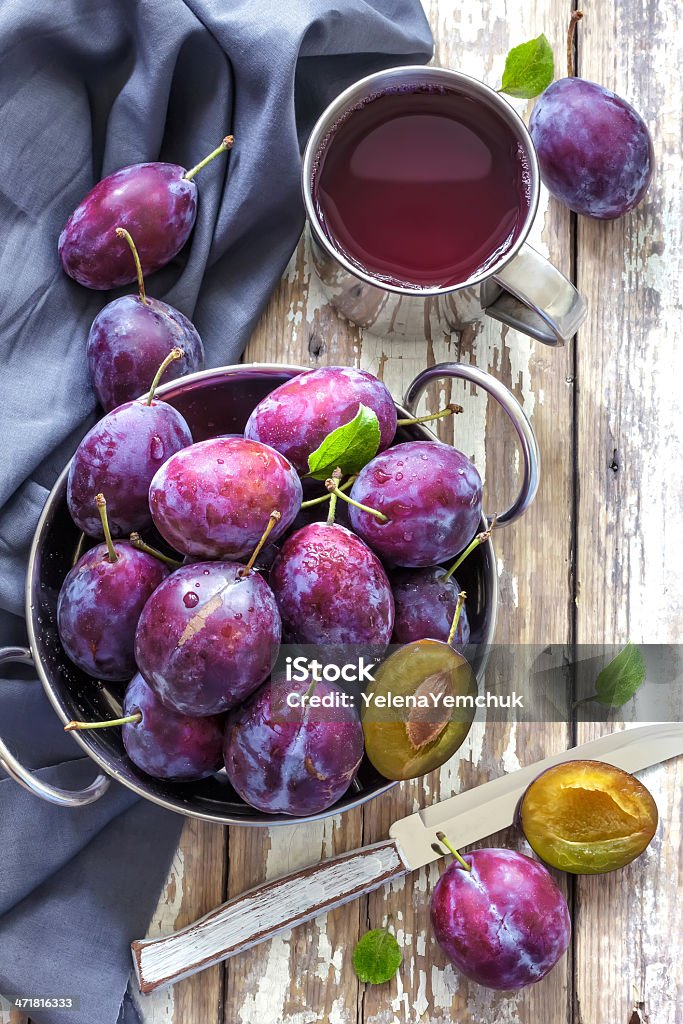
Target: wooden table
{"type": "Point", "coordinates": [597, 559]}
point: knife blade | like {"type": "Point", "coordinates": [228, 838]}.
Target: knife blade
{"type": "Point", "coordinates": [283, 903]}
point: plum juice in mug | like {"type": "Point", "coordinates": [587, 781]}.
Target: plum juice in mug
{"type": "Point", "coordinates": [422, 187]}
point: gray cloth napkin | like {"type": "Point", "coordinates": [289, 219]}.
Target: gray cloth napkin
{"type": "Point", "coordinates": [85, 88]}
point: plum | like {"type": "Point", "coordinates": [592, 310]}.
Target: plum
{"type": "Point", "coordinates": [430, 494]}
{"type": "Point", "coordinates": [155, 202]}
{"type": "Point", "coordinates": [296, 417]}
{"type": "Point", "coordinates": [213, 499]}
{"type": "Point", "coordinates": [297, 764]}
{"type": "Point", "coordinates": [425, 604]}
{"type": "Point", "coordinates": [168, 745]}
{"type": "Point", "coordinates": [594, 149]}
{"type": "Point", "coordinates": [331, 588]}
{"type": "Point", "coordinates": [99, 605]}
{"type": "Point", "coordinates": [504, 922]}
{"type": "Point", "coordinates": [208, 637]}
{"type": "Point", "coordinates": [586, 817]}
{"type": "Point", "coordinates": [119, 456]}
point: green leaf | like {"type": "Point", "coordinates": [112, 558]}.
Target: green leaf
{"type": "Point", "coordinates": [377, 957]}
{"type": "Point", "coordinates": [529, 69]}
{"type": "Point", "coordinates": [349, 447]}
{"type": "Point", "coordinates": [619, 680]}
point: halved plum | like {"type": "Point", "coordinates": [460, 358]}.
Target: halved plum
{"type": "Point", "coordinates": [587, 817]}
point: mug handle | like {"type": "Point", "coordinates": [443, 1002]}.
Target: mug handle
{"type": "Point", "coordinates": [534, 297]}
{"type": "Point", "coordinates": [520, 421]}
{"type": "Point", "coordinates": [25, 778]}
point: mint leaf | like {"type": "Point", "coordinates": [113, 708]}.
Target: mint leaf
{"type": "Point", "coordinates": [377, 957]}
{"type": "Point", "coordinates": [619, 680]}
{"type": "Point", "coordinates": [529, 69]}
{"type": "Point", "coordinates": [349, 447]}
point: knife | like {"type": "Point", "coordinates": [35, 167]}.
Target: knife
{"type": "Point", "coordinates": [283, 903]}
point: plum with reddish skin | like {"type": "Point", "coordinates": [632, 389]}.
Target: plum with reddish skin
{"type": "Point", "coordinates": [214, 499]}
{"type": "Point", "coordinates": [168, 745]}
{"type": "Point", "coordinates": [286, 762]}
{"type": "Point", "coordinates": [431, 495]}
{"type": "Point", "coordinates": [296, 417]}
{"type": "Point", "coordinates": [128, 341]}
{"type": "Point", "coordinates": [424, 604]}
{"type": "Point", "coordinates": [118, 458]}
{"type": "Point", "coordinates": [505, 923]}
{"type": "Point", "coordinates": [594, 149]}
{"type": "Point", "coordinates": [208, 637]}
{"type": "Point", "coordinates": [99, 605]}
{"type": "Point", "coordinates": [331, 588]}
{"type": "Point", "coordinates": [153, 201]}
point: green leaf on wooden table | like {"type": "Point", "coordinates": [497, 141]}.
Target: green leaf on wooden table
{"type": "Point", "coordinates": [348, 448]}
{"type": "Point", "coordinates": [377, 957]}
{"type": "Point", "coordinates": [619, 680]}
{"type": "Point", "coordinates": [529, 69]}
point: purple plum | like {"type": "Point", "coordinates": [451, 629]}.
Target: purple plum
{"type": "Point", "coordinates": [168, 745]}
{"type": "Point", "coordinates": [208, 637]}
{"type": "Point", "coordinates": [594, 149]}
{"type": "Point", "coordinates": [425, 605]}
{"type": "Point", "coordinates": [504, 923]}
{"type": "Point", "coordinates": [431, 496]}
{"type": "Point", "coordinates": [296, 417]}
{"type": "Point", "coordinates": [214, 499]}
{"type": "Point", "coordinates": [292, 763]}
{"type": "Point", "coordinates": [331, 589]}
{"type": "Point", "coordinates": [99, 605]}
{"type": "Point", "coordinates": [155, 202]}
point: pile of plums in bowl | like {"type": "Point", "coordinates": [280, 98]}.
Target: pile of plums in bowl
{"type": "Point", "coordinates": [212, 533]}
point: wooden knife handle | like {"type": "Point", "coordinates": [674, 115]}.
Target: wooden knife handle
{"type": "Point", "coordinates": [265, 911]}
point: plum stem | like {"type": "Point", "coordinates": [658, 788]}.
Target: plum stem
{"type": "Point", "coordinates": [226, 144]}
{"type": "Point", "coordinates": [456, 617]}
{"type": "Point", "coordinates": [326, 497]}
{"type": "Point", "coordinates": [274, 519]}
{"type": "Point", "coordinates": [331, 485]}
{"type": "Point", "coordinates": [336, 477]}
{"type": "Point", "coordinates": [175, 353]}
{"type": "Point", "coordinates": [102, 509]}
{"type": "Point", "coordinates": [138, 543]}
{"type": "Point", "coordinates": [481, 538]}
{"type": "Point", "coordinates": [81, 726]}
{"type": "Point", "coordinates": [79, 549]}
{"type": "Point", "coordinates": [574, 20]}
{"type": "Point", "coordinates": [450, 410]}
{"type": "Point", "coordinates": [122, 233]}
{"type": "Point", "coordinates": [445, 841]}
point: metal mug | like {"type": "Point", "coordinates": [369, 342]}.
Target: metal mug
{"type": "Point", "coordinates": [522, 289]}
{"type": "Point", "coordinates": [215, 402]}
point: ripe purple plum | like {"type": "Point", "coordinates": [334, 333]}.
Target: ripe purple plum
{"type": "Point", "coordinates": [296, 417]}
{"type": "Point", "coordinates": [430, 495]}
{"type": "Point", "coordinates": [155, 202]}
{"type": "Point", "coordinates": [504, 922]}
{"type": "Point", "coordinates": [208, 637]}
{"type": "Point", "coordinates": [214, 499]}
{"type": "Point", "coordinates": [99, 605]}
{"type": "Point", "coordinates": [286, 762]}
{"type": "Point", "coordinates": [425, 603]}
{"type": "Point", "coordinates": [168, 745]}
{"type": "Point", "coordinates": [119, 456]}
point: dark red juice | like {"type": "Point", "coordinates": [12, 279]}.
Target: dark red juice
{"type": "Point", "coordinates": [422, 188]}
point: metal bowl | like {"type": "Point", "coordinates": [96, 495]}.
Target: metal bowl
{"type": "Point", "coordinates": [218, 402]}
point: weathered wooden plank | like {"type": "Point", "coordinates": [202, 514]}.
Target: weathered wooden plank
{"type": "Point", "coordinates": [629, 924]}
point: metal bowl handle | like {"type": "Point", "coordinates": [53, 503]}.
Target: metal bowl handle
{"type": "Point", "coordinates": [520, 421]}
{"type": "Point", "coordinates": [25, 778]}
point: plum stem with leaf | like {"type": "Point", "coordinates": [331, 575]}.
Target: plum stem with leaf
{"type": "Point", "coordinates": [575, 19]}
{"type": "Point", "coordinates": [273, 520]}
{"type": "Point", "coordinates": [122, 233]}
{"type": "Point", "coordinates": [445, 841]}
{"type": "Point", "coordinates": [456, 616]}
{"type": "Point", "coordinates": [226, 144]}
{"type": "Point", "coordinates": [82, 726]}
{"type": "Point", "coordinates": [450, 410]}
{"type": "Point", "coordinates": [175, 353]}
{"type": "Point", "coordinates": [332, 486]}
{"type": "Point", "coordinates": [101, 503]}
{"type": "Point", "coordinates": [481, 538]}
{"type": "Point", "coordinates": [326, 497]}
{"type": "Point", "coordinates": [137, 542]}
